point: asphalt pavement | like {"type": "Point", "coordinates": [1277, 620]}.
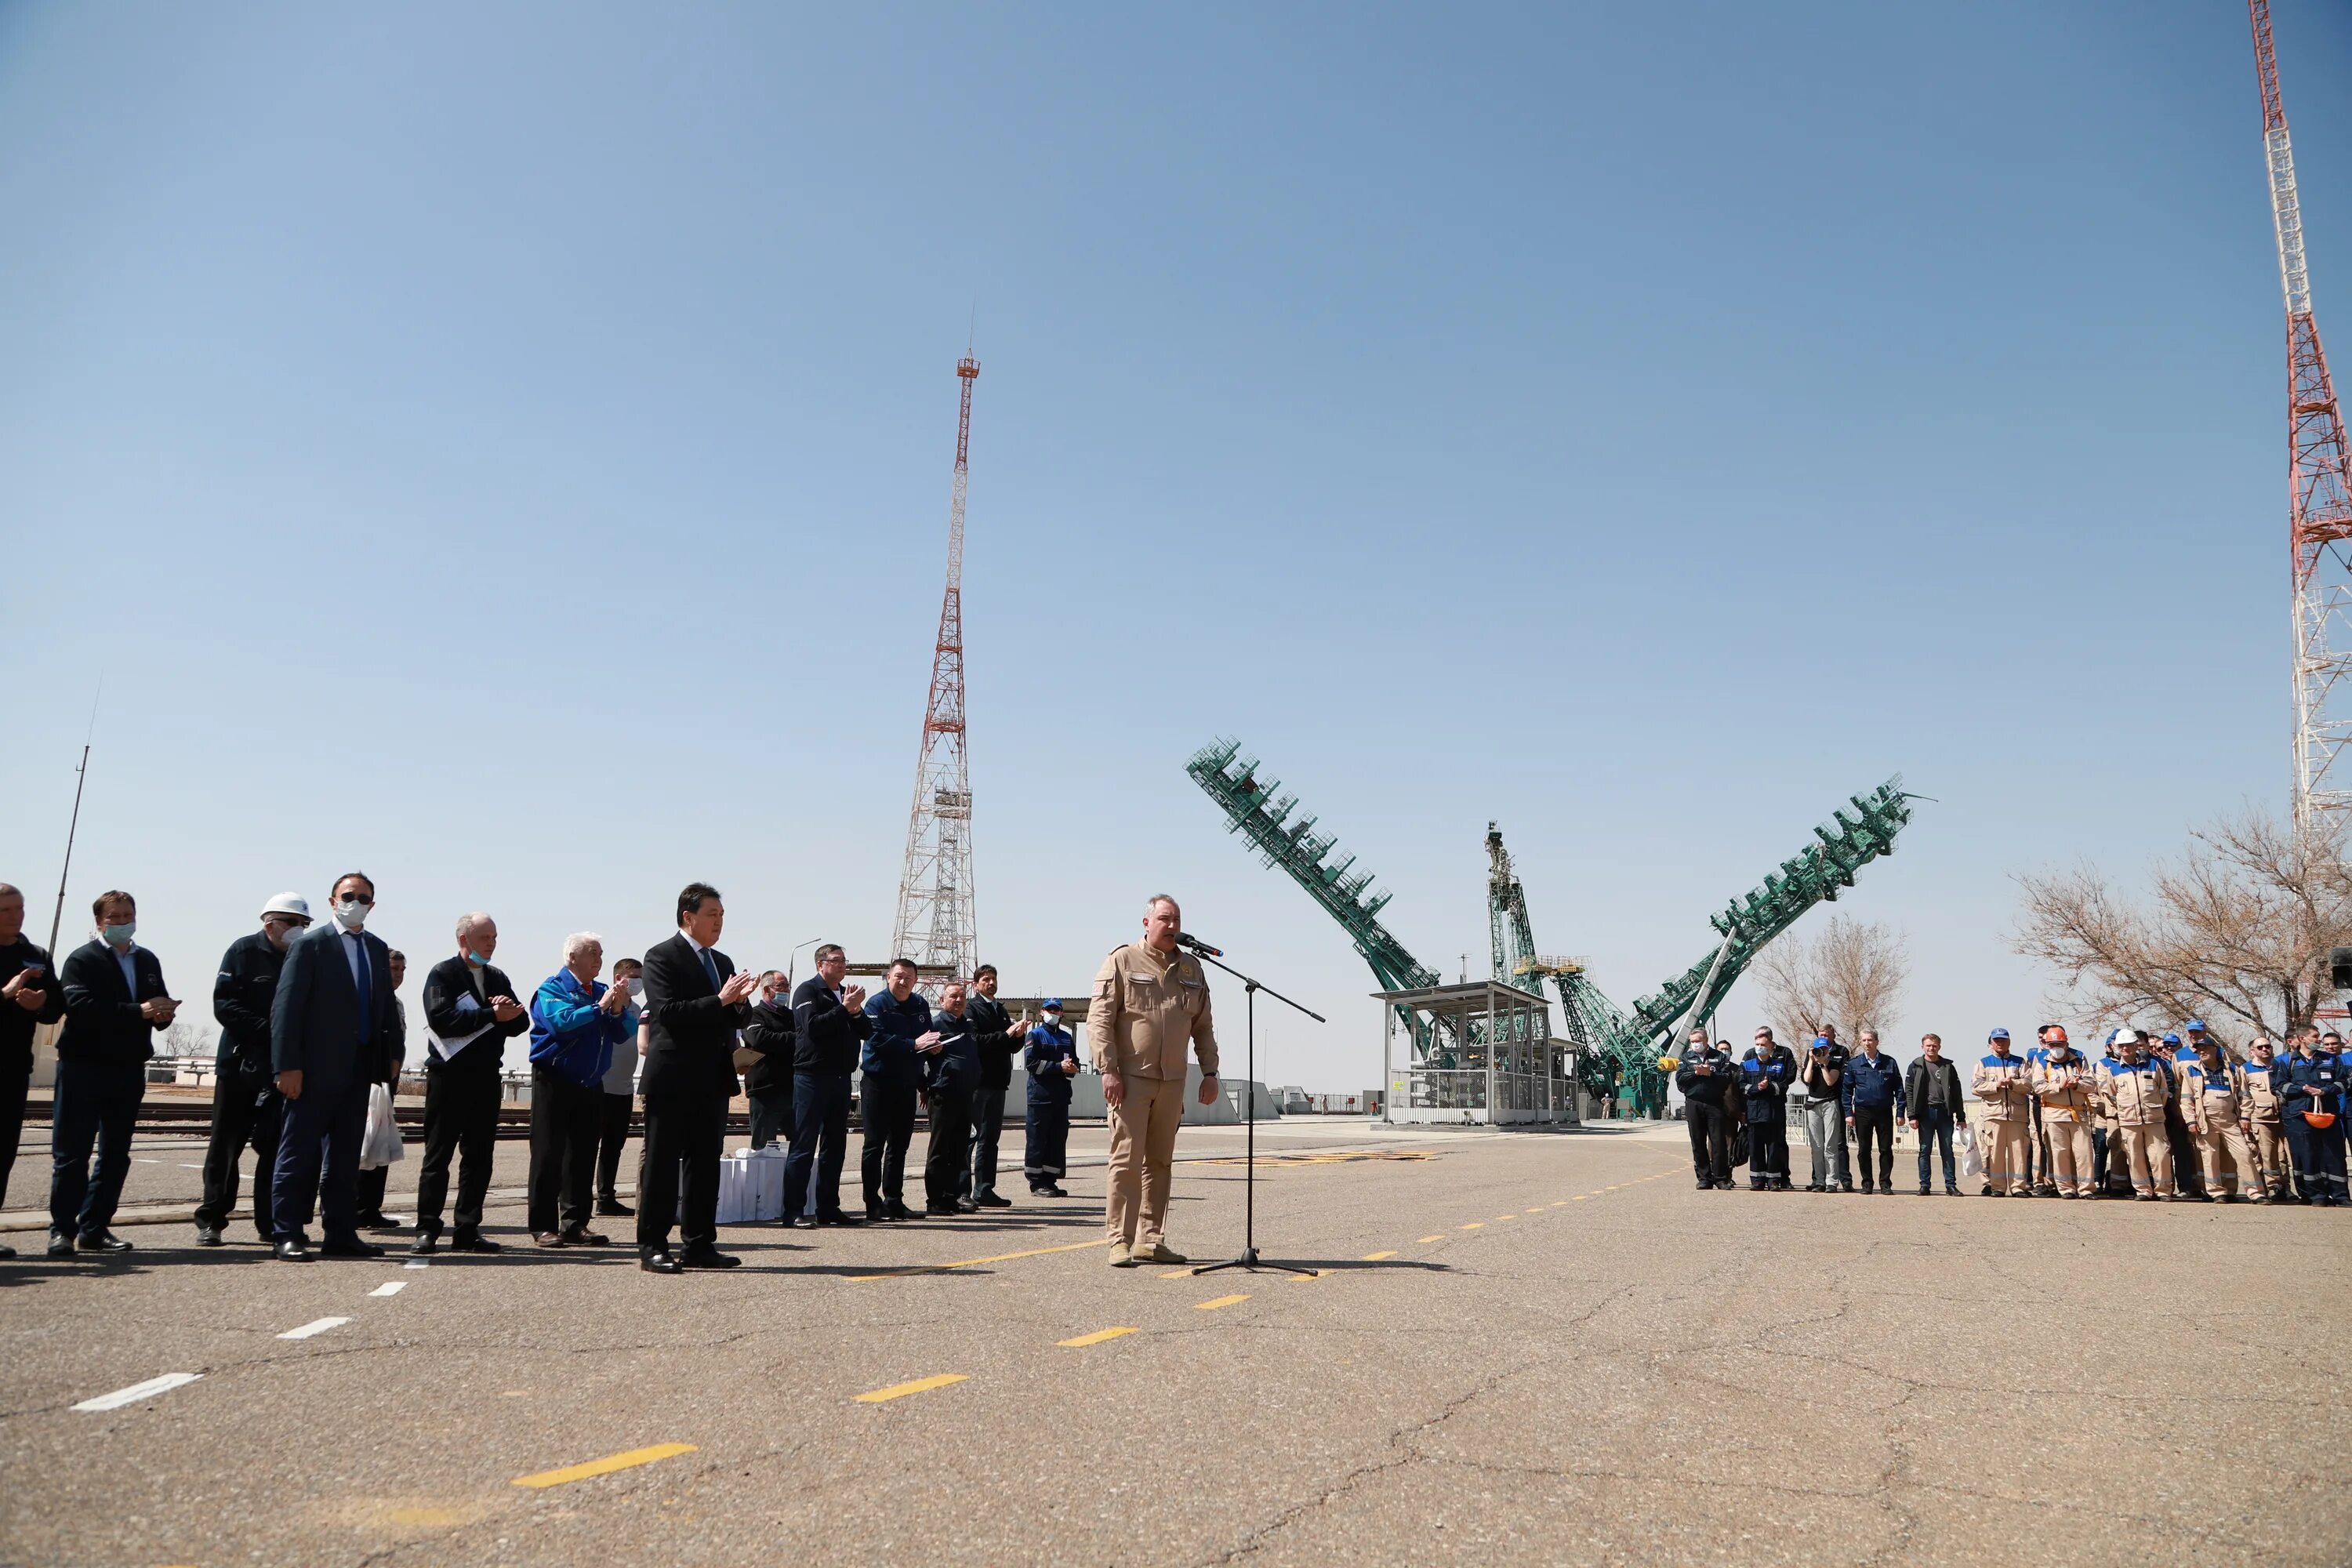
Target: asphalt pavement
{"type": "Point", "coordinates": [1516, 1348]}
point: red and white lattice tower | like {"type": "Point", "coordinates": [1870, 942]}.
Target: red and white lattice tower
{"type": "Point", "coordinates": [2320, 491]}
{"type": "Point", "coordinates": [935, 924]}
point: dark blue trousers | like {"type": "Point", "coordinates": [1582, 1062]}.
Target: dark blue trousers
{"type": "Point", "coordinates": [820, 1141]}
{"type": "Point", "coordinates": [93, 1102]}
{"type": "Point", "coordinates": [323, 1128]}
{"type": "Point", "coordinates": [2318, 1157]}
{"type": "Point", "coordinates": [1935, 1129]}
{"type": "Point", "coordinates": [1047, 1153]}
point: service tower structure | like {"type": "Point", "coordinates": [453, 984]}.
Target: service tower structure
{"type": "Point", "coordinates": [935, 924]}
{"type": "Point", "coordinates": [2320, 491]}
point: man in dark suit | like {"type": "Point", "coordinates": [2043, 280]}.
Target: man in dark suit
{"type": "Point", "coordinates": [115, 1001]}
{"type": "Point", "coordinates": [330, 1030]}
{"type": "Point", "coordinates": [695, 1003]}
{"type": "Point", "coordinates": [30, 995]}
{"type": "Point", "coordinates": [829, 1029]}
{"type": "Point", "coordinates": [471, 1010]}
{"type": "Point", "coordinates": [246, 1110]}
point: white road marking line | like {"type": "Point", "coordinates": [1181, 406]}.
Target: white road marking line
{"type": "Point", "coordinates": [315, 1326]}
{"type": "Point", "coordinates": [139, 1391]}
{"type": "Point", "coordinates": [391, 1288]}
{"type": "Point", "coordinates": [418, 1263]}
{"type": "Point", "coordinates": [185, 1166]}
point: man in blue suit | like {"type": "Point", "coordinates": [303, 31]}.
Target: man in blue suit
{"type": "Point", "coordinates": [329, 1034]}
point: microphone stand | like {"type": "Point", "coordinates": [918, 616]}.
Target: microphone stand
{"type": "Point", "coordinates": [1249, 1260]}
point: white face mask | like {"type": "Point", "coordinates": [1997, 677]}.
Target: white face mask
{"type": "Point", "coordinates": [353, 913]}
{"type": "Point", "coordinates": [1053, 1020]}
{"type": "Point", "coordinates": [283, 937]}
{"type": "Point", "coordinates": [636, 987]}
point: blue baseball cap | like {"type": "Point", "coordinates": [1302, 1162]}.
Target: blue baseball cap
{"type": "Point", "coordinates": [1997, 1034]}
{"type": "Point", "coordinates": [2194, 1024]}
{"type": "Point", "coordinates": [1049, 1004]}
{"type": "Point", "coordinates": [2172, 1039]}
{"type": "Point", "coordinates": [1822, 1042]}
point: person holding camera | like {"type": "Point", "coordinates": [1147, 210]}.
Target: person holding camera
{"type": "Point", "coordinates": [1823, 1077]}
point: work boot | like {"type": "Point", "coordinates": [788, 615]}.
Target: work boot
{"type": "Point", "coordinates": [209, 1236]}
{"type": "Point", "coordinates": [614, 1207]}
{"type": "Point", "coordinates": [1122, 1255]}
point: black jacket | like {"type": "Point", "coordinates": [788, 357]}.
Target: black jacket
{"type": "Point", "coordinates": [451, 979]}
{"type": "Point", "coordinates": [242, 993]}
{"type": "Point", "coordinates": [16, 1026]}
{"type": "Point", "coordinates": [770, 1033]}
{"type": "Point", "coordinates": [999, 1041]}
{"type": "Point", "coordinates": [689, 1032]}
{"type": "Point", "coordinates": [102, 1021]}
{"type": "Point", "coordinates": [1711, 1089]}
{"type": "Point", "coordinates": [316, 1026]}
{"type": "Point", "coordinates": [826, 1035]}
{"type": "Point", "coordinates": [1915, 1089]}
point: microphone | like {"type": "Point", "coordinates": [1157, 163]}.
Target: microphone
{"type": "Point", "coordinates": [1186, 939]}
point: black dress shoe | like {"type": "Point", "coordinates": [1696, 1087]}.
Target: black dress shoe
{"type": "Point", "coordinates": [991, 1201]}
{"type": "Point", "coordinates": [384, 1225]}
{"type": "Point", "coordinates": [706, 1257]}
{"type": "Point", "coordinates": [60, 1245]}
{"type": "Point", "coordinates": [969, 1206]}
{"type": "Point", "coordinates": [371, 1220]}
{"type": "Point", "coordinates": [291, 1252]}
{"type": "Point", "coordinates": [209, 1236]}
{"type": "Point", "coordinates": [429, 1242]}
{"type": "Point", "coordinates": [104, 1241]}
{"type": "Point", "coordinates": [662, 1262]}
{"type": "Point", "coordinates": [899, 1211]}
{"type": "Point", "coordinates": [839, 1219]}
{"type": "Point", "coordinates": [613, 1207]}
{"type": "Point", "coordinates": [933, 1211]}
{"type": "Point", "coordinates": [580, 1235]}
{"type": "Point", "coordinates": [355, 1247]}
{"type": "Point", "coordinates": [473, 1241]}
{"type": "Point", "coordinates": [797, 1222]}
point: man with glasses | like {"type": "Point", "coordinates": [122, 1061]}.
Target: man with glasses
{"type": "Point", "coordinates": [245, 1104]}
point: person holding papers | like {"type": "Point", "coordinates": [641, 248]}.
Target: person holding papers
{"type": "Point", "coordinates": [470, 1012]}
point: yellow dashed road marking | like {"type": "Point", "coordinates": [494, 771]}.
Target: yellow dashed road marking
{"type": "Point", "coordinates": [1220, 1302]}
{"type": "Point", "coordinates": [920, 1385]}
{"type": "Point", "coordinates": [970, 1262]}
{"type": "Point", "coordinates": [1097, 1337]}
{"type": "Point", "coordinates": [605, 1466]}
{"type": "Point", "coordinates": [1476, 1225]}
{"type": "Point", "coordinates": [1376, 1256]}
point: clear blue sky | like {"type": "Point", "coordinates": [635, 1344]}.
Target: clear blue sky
{"type": "Point", "coordinates": [506, 448]}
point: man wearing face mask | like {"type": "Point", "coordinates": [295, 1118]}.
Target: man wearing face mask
{"type": "Point", "coordinates": [2264, 1108]}
{"type": "Point", "coordinates": [471, 1013]}
{"type": "Point", "coordinates": [329, 1037]}
{"type": "Point", "coordinates": [2137, 1091]}
{"type": "Point", "coordinates": [30, 997]}
{"type": "Point", "coordinates": [246, 1103]}
{"type": "Point", "coordinates": [115, 1001]}
{"type": "Point", "coordinates": [1050, 1058]}
{"type": "Point", "coordinates": [620, 1091]}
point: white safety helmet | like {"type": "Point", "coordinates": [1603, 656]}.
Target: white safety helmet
{"type": "Point", "coordinates": [286, 904]}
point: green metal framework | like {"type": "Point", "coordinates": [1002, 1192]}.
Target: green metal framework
{"type": "Point", "coordinates": [1615, 1051]}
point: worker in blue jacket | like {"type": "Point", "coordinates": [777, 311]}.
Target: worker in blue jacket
{"type": "Point", "coordinates": [1050, 1057]}
{"type": "Point", "coordinates": [577, 1023]}
{"type": "Point", "coordinates": [892, 1069]}
{"type": "Point", "coordinates": [2313, 1085]}
{"type": "Point", "coordinates": [1873, 1096]}
{"type": "Point", "coordinates": [1706, 1077]}
{"type": "Point", "coordinates": [1765, 1074]}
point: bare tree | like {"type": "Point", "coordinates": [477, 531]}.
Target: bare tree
{"type": "Point", "coordinates": [2238, 928]}
{"type": "Point", "coordinates": [1852, 975]}
{"type": "Point", "coordinates": [189, 1036]}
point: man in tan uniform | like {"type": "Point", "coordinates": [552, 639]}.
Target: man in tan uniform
{"type": "Point", "coordinates": [2264, 1112]}
{"type": "Point", "coordinates": [2213, 1098]}
{"type": "Point", "coordinates": [2135, 1091]}
{"type": "Point", "coordinates": [2062, 1079]}
{"type": "Point", "coordinates": [1149, 1003]}
{"type": "Point", "coordinates": [2001, 1082]}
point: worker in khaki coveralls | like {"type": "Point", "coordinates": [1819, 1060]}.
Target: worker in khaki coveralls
{"type": "Point", "coordinates": [2264, 1110]}
{"type": "Point", "coordinates": [2213, 1097]}
{"type": "Point", "coordinates": [1149, 1003]}
{"type": "Point", "coordinates": [2062, 1084]}
{"type": "Point", "coordinates": [2135, 1092]}
{"type": "Point", "coordinates": [2001, 1082]}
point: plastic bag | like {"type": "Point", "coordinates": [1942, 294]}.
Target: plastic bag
{"type": "Point", "coordinates": [380, 1144]}
{"type": "Point", "coordinates": [1971, 1162]}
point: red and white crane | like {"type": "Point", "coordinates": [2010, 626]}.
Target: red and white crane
{"type": "Point", "coordinates": [935, 924]}
{"type": "Point", "coordinates": [2320, 491]}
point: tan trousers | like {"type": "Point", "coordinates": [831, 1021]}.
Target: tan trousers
{"type": "Point", "coordinates": [2269, 1148]}
{"type": "Point", "coordinates": [1142, 1151]}
{"type": "Point", "coordinates": [2070, 1155]}
{"type": "Point", "coordinates": [2219, 1149]}
{"type": "Point", "coordinates": [2151, 1153]}
{"type": "Point", "coordinates": [2003, 1146]}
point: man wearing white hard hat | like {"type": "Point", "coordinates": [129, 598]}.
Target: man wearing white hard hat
{"type": "Point", "coordinates": [247, 1107]}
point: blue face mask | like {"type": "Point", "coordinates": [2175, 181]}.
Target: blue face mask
{"type": "Point", "coordinates": [477, 960]}
{"type": "Point", "coordinates": [118, 936]}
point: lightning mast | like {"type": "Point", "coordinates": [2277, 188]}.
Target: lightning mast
{"type": "Point", "coordinates": [2319, 488]}
{"type": "Point", "coordinates": [935, 923]}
